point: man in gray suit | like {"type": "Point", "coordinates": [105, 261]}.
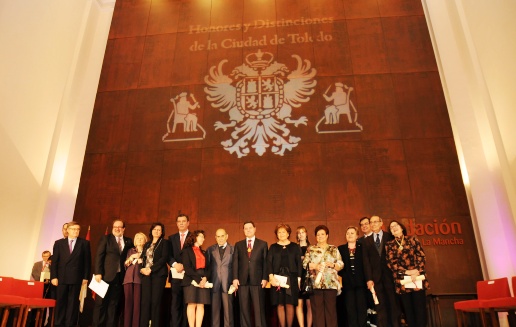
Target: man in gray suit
{"type": "Point", "coordinates": [220, 261]}
{"type": "Point", "coordinates": [41, 266]}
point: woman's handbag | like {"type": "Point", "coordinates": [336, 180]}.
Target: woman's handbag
{"type": "Point", "coordinates": [307, 287]}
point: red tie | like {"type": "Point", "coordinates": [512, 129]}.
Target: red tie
{"type": "Point", "coordinates": [249, 248]}
{"type": "Point", "coordinates": [182, 240]}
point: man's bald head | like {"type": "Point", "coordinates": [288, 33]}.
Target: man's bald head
{"type": "Point", "coordinates": [221, 236]}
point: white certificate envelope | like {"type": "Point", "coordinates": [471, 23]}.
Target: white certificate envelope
{"type": "Point", "coordinates": [177, 275]}
{"type": "Point", "coordinates": [99, 288]}
{"type": "Point", "coordinates": [410, 284]}
{"type": "Point", "coordinates": [282, 280]}
{"type": "Point", "coordinates": [44, 275]}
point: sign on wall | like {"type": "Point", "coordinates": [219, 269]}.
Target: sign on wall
{"type": "Point", "coordinates": [305, 112]}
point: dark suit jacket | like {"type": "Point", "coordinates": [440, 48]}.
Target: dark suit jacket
{"type": "Point", "coordinates": [175, 251]}
{"type": "Point", "coordinates": [109, 259]}
{"type": "Point", "coordinates": [350, 280]}
{"type": "Point", "coordinates": [375, 264]}
{"type": "Point", "coordinates": [221, 271]}
{"type": "Point", "coordinates": [71, 268]}
{"type": "Point", "coordinates": [255, 267]}
{"type": "Point", "coordinates": [160, 258]}
{"type": "Point", "coordinates": [189, 262]}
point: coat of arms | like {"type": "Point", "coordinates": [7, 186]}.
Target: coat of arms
{"type": "Point", "coordinates": [259, 96]}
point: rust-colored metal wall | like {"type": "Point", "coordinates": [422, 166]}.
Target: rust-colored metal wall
{"type": "Point", "coordinates": [399, 163]}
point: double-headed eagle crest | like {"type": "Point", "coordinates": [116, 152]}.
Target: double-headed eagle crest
{"type": "Point", "coordinates": [259, 96]}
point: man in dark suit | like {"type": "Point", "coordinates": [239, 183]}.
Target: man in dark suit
{"type": "Point", "coordinates": [176, 241]}
{"type": "Point", "coordinates": [250, 276]}
{"type": "Point", "coordinates": [220, 261]}
{"type": "Point", "coordinates": [71, 266]}
{"type": "Point", "coordinates": [379, 276]}
{"type": "Point", "coordinates": [109, 266]}
{"type": "Point", "coordinates": [365, 226]}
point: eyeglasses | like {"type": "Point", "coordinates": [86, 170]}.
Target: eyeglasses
{"type": "Point", "coordinates": [117, 227]}
{"type": "Point", "coordinates": [74, 229]}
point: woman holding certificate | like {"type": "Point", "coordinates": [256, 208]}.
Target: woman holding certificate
{"type": "Point", "coordinates": [284, 268]}
{"type": "Point", "coordinates": [154, 274]}
{"type": "Point", "coordinates": [195, 282]}
{"type": "Point", "coordinates": [406, 259]}
{"type": "Point", "coordinates": [353, 279]}
{"type": "Point", "coordinates": [132, 282]}
{"type": "Point", "coordinates": [324, 261]}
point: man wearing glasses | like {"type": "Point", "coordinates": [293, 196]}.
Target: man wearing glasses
{"type": "Point", "coordinates": [365, 226]}
{"type": "Point", "coordinates": [71, 265]}
{"type": "Point", "coordinates": [379, 276]}
{"type": "Point", "coordinates": [109, 266]}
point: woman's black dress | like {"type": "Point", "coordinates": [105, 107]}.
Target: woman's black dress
{"type": "Point", "coordinates": [285, 261]}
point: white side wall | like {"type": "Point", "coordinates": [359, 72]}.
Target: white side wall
{"type": "Point", "coordinates": [50, 65]}
{"type": "Point", "coordinates": [473, 41]}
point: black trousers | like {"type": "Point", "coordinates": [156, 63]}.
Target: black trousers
{"type": "Point", "coordinates": [67, 304]}
{"type": "Point", "coordinates": [106, 310]}
{"type": "Point", "coordinates": [324, 308]}
{"type": "Point", "coordinates": [414, 306]}
{"type": "Point", "coordinates": [177, 307]}
{"type": "Point", "coordinates": [256, 294]}
{"type": "Point", "coordinates": [388, 310]}
{"type": "Point", "coordinates": [152, 293]}
{"type": "Point", "coordinates": [356, 306]}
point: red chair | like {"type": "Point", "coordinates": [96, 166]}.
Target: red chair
{"type": "Point", "coordinates": [32, 291]}
{"type": "Point", "coordinates": [504, 304]}
{"type": "Point", "coordinates": [9, 301]}
{"type": "Point", "coordinates": [486, 290]}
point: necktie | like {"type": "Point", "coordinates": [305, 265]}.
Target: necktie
{"type": "Point", "coordinates": [119, 244]}
{"type": "Point", "coordinates": [249, 248]}
{"type": "Point", "coordinates": [182, 240]}
{"type": "Point", "coordinates": [221, 251]}
{"type": "Point", "coordinates": [71, 246]}
{"type": "Point", "coordinates": [377, 242]}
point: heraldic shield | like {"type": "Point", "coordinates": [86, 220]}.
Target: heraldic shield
{"type": "Point", "coordinates": [259, 97]}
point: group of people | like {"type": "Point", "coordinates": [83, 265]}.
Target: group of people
{"type": "Point", "coordinates": [377, 271]}
{"type": "Point", "coordinates": [384, 273]}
